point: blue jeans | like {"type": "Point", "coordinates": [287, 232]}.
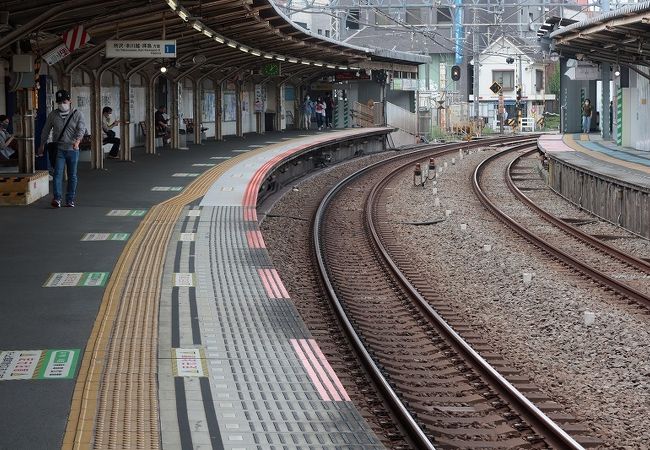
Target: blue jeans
{"type": "Point", "coordinates": [69, 159]}
{"type": "Point", "coordinates": [586, 124]}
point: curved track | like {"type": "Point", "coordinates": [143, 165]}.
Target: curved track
{"type": "Point", "coordinates": [441, 389]}
{"type": "Point", "coordinates": [601, 262]}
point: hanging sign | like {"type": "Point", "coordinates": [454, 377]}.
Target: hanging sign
{"type": "Point", "coordinates": [141, 49]}
{"type": "Point", "coordinates": [56, 54]}
{"type": "Point", "coordinates": [75, 38]}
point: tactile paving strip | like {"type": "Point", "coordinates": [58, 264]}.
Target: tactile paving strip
{"type": "Point", "coordinates": [269, 384]}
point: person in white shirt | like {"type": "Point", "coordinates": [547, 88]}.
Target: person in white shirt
{"type": "Point", "coordinates": [109, 134]}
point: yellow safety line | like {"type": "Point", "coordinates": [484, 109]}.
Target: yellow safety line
{"type": "Point", "coordinates": [568, 140]}
{"type": "Point", "coordinates": [150, 237]}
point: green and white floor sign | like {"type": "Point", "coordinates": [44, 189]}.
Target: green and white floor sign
{"type": "Point", "coordinates": [127, 212]}
{"type": "Point", "coordinates": [74, 279]}
{"type": "Point", "coordinates": [105, 236]}
{"type": "Point", "coordinates": [38, 364]}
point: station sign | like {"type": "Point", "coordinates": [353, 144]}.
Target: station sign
{"type": "Point", "coordinates": [350, 75]}
{"type": "Point", "coordinates": [56, 54]}
{"type": "Point", "coordinates": [583, 72]}
{"type": "Point", "coordinates": [141, 49]}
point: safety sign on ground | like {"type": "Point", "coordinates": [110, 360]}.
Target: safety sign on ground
{"type": "Point", "coordinates": [106, 236]}
{"type": "Point", "coordinates": [140, 48]}
{"type": "Point", "coordinates": [74, 279]}
{"type": "Point", "coordinates": [167, 188]}
{"type": "Point", "coordinates": [194, 213]}
{"type": "Point", "coordinates": [187, 237]}
{"type": "Point", "coordinates": [188, 362]}
{"type": "Point", "coordinates": [38, 364]}
{"type": "Point", "coordinates": [184, 279]}
{"type": "Point", "coordinates": [183, 174]}
{"type": "Point", "coordinates": [127, 212]}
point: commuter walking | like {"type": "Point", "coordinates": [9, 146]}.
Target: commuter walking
{"type": "Point", "coordinates": [109, 134]}
{"type": "Point", "coordinates": [307, 108]}
{"type": "Point", "coordinates": [320, 112]}
{"type": "Point", "coordinates": [68, 127]}
{"type": "Point", "coordinates": [586, 116]}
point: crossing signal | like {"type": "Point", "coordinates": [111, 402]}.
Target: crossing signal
{"type": "Point", "coordinates": [519, 93]}
{"type": "Point", "coordinates": [455, 73]}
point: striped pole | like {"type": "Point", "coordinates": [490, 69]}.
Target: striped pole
{"type": "Point", "coordinates": [336, 116]}
{"type": "Point", "coordinates": [346, 110]}
{"type": "Point", "coordinates": [619, 116]}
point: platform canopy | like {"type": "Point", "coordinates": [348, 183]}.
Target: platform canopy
{"type": "Point", "coordinates": [620, 37]}
{"type": "Point", "coordinates": [211, 36]}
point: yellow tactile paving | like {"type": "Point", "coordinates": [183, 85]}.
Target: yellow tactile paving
{"type": "Point", "coordinates": [115, 399]}
{"type": "Point", "coordinates": [568, 140]}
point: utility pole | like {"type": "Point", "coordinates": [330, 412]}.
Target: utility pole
{"type": "Point", "coordinates": [476, 62]}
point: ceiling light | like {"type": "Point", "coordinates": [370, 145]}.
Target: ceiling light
{"type": "Point", "coordinates": [207, 32]}
{"type": "Point", "coordinates": [256, 53]}
{"type": "Point", "coordinates": [244, 49]}
{"type": "Point", "coordinates": [343, 68]}
{"type": "Point", "coordinates": [617, 72]}
{"type": "Point", "coordinates": [172, 4]}
{"type": "Point", "coordinates": [280, 57]}
{"type": "Point", "coordinates": [268, 56]}
{"type": "Point", "coordinates": [183, 14]}
{"type": "Point", "coordinates": [329, 66]}
{"type": "Point", "coordinates": [293, 60]}
{"type": "Point", "coordinates": [232, 44]}
{"type": "Point", "coordinates": [163, 69]}
{"type": "Point", "coordinates": [305, 62]}
{"type": "Point", "coordinates": [319, 64]}
{"type": "Point", "coordinates": [197, 26]}
{"type": "Point", "coordinates": [219, 39]}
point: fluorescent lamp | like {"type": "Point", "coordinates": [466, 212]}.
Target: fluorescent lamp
{"type": "Point", "coordinates": [305, 63]}
{"type": "Point", "coordinates": [343, 68]}
{"type": "Point", "coordinates": [256, 53]}
{"type": "Point", "coordinates": [244, 49]}
{"type": "Point", "coordinates": [207, 32]}
{"type": "Point", "coordinates": [319, 64]}
{"type": "Point", "coordinates": [183, 14]}
{"type": "Point", "coordinates": [197, 26]}
{"type": "Point", "coordinates": [172, 4]}
{"type": "Point", "coordinates": [329, 66]}
{"type": "Point", "coordinates": [293, 60]}
{"type": "Point", "coordinates": [219, 39]}
{"type": "Point", "coordinates": [232, 44]}
{"type": "Point", "coordinates": [280, 57]}
{"type": "Point", "coordinates": [268, 56]}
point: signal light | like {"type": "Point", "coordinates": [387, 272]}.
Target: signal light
{"type": "Point", "coordinates": [455, 73]}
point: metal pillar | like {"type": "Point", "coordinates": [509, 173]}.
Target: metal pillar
{"type": "Point", "coordinates": [150, 118]}
{"type": "Point", "coordinates": [174, 113]}
{"type": "Point", "coordinates": [95, 119]}
{"type": "Point", "coordinates": [604, 109]}
{"type": "Point", "coordinates": [125, 119]}
{"type": "Point", "coordinates": [218, 130]}
{"type": "Point", "coordinates": [278, 106]}
{"type": "Point", "coordinates": [238, 113]}
{"type": "Point", "coordinates": [198, 110]}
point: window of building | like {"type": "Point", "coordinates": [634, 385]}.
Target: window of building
{"type": "Point", "coordinates": [320, 31]}
{"type": "Point", "coordinates": [539, 80]}
{"type": "Point", "coordinates": [352, 20]}
{"type": "Point", "coordinates": [443, 15]}
{"type": "Point", "coordinates": [327, 33]}
{"type": "Point", "coordinates": [506, 78]}
{"type": "Point", "coordinates": [414, 16]}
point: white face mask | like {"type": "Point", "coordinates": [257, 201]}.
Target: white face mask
{"type": "Point", "coordinates": [63, 107]}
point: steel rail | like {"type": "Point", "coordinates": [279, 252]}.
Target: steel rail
{"type": "Point", "coordinates": [593, 273]}
{"type": "Point", "coordinates": [632, 260]}
{"type": "Point", "coordinates": [545, 426]}
{"type": "Point", "coordinates": [415, 433]}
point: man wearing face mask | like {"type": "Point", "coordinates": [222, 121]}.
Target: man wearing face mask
{"type": "Point", "coordinates": [68, 127]}
{"type": "Point", "coordinates": [5, 138]}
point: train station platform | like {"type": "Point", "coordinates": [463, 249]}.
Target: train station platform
{"type": "Point", "coordinates": [610, 181]}
{"type": "Point", "coordinates": [151, 315]}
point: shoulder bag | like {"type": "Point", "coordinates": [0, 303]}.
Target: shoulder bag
{"type": "Point", "coordinates": [53, 147]}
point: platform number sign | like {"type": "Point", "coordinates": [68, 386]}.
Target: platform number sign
{"type": "Point", "coordinates": [495, 87]}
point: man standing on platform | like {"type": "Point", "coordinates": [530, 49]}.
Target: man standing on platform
{"type": "Point", "coordinates": [586, 116]}
{"type": "Point", "coordinates": [68, 127]}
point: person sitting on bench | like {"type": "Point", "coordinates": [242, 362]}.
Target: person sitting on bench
{"type": "Point", "coordinates": [109, 134]}
{"type": "Point", "coordinates": [162, 124]}
{"type": "Point", "coordinates": [6, 139]}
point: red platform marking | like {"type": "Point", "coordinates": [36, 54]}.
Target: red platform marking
{"type": "Point", "coordinates": [272, 283]}
{"type": "Point", "coordinates": [554, 143]}
{"type": "Point", "coordinates": [255, 239]}
{"type": "Point", "coordinates": [319, 370]}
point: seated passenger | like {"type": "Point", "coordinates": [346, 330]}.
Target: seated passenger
{"type": "Point", "coordinates": [6, 140]}
{"type": "Point", "coordinates": [109, 134]}
{"type": "Point", "coordinates": [162, 124]}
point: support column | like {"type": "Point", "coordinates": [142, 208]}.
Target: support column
{"type": "Point", "coordinates": [605, 114]}
{"type": "Point", "coordinates": [218, 108]}
{"type": "Point", "coordinates": [95, 119]}
{"type": "Point", "coordinates": [150, 119]}
{"type": "Point", "coordinates": [198, 110]}
{"type": "Point", "coordinates": [278, 107]}
{"type": "Point", "coordinates": [174, 113]}
{"type": "Point", "coordinates": [125, 119]}
{"type": "Point", "coordinates": [238, 112]}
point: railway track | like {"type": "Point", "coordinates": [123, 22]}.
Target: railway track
{"type": "Point", "coordinates": [625, 274]}
{"type": "Point", "coordinates": [442, 391]}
